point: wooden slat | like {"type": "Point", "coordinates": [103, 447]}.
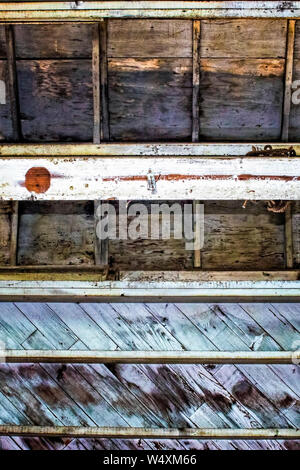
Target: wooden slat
{"type": "Point", "coordinates": [126, 178]}
{"type": "Point", "coordinates": [84, 272]}
{"type": "Point", "coordinates": [96, 85]}
{"type": "Point", "coordinates": [13, 83]}
{"type": "Point", "coordinates": [288, 80]}
{"type": "Point", "coordinates": [196, 80]}
{"type": "Point", "coordinates": [62, 11]}
{"type": "Point", "coordinates": [143, 291]}
{"type": "Point", "coordinates": [141, 149]}
{"type": "Point", "coordinates": [14, 233]}
{"type": "Point", "coordinates": [148, 433]}
{"type": "Point", "coordinates": [288, 227]}
{"type": "Point", "coordinates": [148, 357]}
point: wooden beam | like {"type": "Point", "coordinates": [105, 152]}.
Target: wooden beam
{"type": "Point", "coordinates": [288, 237]}
{"type": "Point", "coordinates": [196, 80]}
{"type": "Point", "coordinates": [141, 149]}
{"type": "Point", "coordinates": [13, 83]}
{"type": "Point", "coordinates": [288, 80]}
{"type": "Point", "coordinates": [126, 178]}
{"type": "Point", "coordinates": [197, 252]}
{"type": "Point", "coordinates": [98, 273]}
{"type": "Point", "coordinates": [148, 357]}
{"type": "Point", "coordinates": [96, 85]}
{"type": "Point", "coordinates": [93, 11]}
{"type": "Point", "coordinates": [149, 291]}
{"type": "Point", "coordinates": [14, 227]}
{"type": "Point", "coordinates": [101, 127]}
{"type": "Point", "coordinates": [148, 433]}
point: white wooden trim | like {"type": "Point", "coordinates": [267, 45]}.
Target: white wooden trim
{"type": "Point", "coordinates": [125, 178]}
{"type": "Point", "coordinates": [149, 357]}
{"type": "Point", "coordinates": [131, 291]}
{"type": "Point", "coordinates": [93, 11]}
{"type": "Point", "coordinates": [148, 433]}
{"type": "Point", "coordinates": [239, 149]}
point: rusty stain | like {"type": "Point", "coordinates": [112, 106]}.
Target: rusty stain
{"type": "Point", "coordinates": [178, 177]}
{"type": "Point", "coordinates": [37, 180]}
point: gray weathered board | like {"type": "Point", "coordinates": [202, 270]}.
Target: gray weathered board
{"type": "Point", "coordinates": [234, 238]}
{"type": "Point", "coordinates": [242, 65]}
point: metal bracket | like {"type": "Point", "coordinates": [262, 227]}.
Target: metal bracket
{"type": "Point", "coordinates": [151, 182]}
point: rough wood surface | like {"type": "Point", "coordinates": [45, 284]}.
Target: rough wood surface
{"type": "Point", "coordinates": [63, 90]}
{"type": "Point", "coordinates": [59, 234]}
{"type": "Point", "coordinates": [150, 38]}
{"type": "Point", "coordinates": [150, 99]}
{"type": "Point", "coordinates": [147, 396]}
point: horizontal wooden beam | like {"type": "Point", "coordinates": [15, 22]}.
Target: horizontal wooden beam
{"type": "Point", "coordinates": [150, 291]}
{"type": "Point", "coordinates": [149, 357]}
{"type": "Point", "coordinates": [127, 178]}
{"type": "Point", "coordinates": [98, 273]}
{"type": "Point", "coordinates": [92, 11]}
{"type": "Point", "coordinates": [138, 149]}
{"type": "Point", "coordinates": [148, 433]}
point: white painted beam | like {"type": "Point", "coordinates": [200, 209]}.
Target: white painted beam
{"type": "Point", "coordinates": [126, 178]}
{"type": "Point", "coordinates": [139, 291]}
{"type": "Point", "coordinates": [92, 11]}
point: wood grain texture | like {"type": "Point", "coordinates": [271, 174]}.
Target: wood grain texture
{"type": "Point", "coordinates": [152, 396]}
{"type": "Point", "coordinates": [63, 90]}
{"type": "Point", "coordinates": [57, 234]}
{"type": "Point", "coordinates": [150, 38]}
{"type": "Point", "coordinates": [150, 99]}
{"type": "Point", "coordinates": [55, 41]}
{"type": "Point", "coordinates": [239, 38]}
{"type": "Point", "coordinates": [241, 99]}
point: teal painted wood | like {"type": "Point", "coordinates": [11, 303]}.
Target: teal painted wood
{"type": "Point", "coordinates": [49, 324]}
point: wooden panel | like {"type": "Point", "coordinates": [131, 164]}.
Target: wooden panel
{"type": "Point", "coordinates": [150, 99]}
{"type": "Point", "coordinates": [250, 238]}
{"type": "Point", "coordinates": [53, 41]}
{"type": "Point", "coordinates": [56, 233]}
{"type": "Point", "coordinates": [56, 100]}
{"type": "Point", "coordinates": [243, 38]}
{"type": "Point", "coordinates": [241, 99]}
{"type": "Point", "coordinates": [5, 115]}
{"type": "Point", "coordinates": [150, 38]}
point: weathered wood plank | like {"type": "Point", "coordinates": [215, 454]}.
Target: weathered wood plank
{"type": "Point", "coordinates": [259, 39]}
{"type": "Point", "coordinates": [188, 433]}
{"type": "Point", "coordinates": [288, 80]}
{"type": "Point", "coordinates": [13, 84]}
{"type": "Point", "coordinates": [147, 357]}
{"type": "Point", "coordinates": [63, 233]}
{"type": "Point", "coordinates": [63, 90]}
{"type": "Point", "coordinates": [14, 233]}
{"type": "Point", "coordinates": [241, 99]}
{"type": "Point", "coordinates": [55, 41]}
{"type": "Point", "coordinates": [196, 80]}
{"type": "Point", "coordinates": [150, 99]}
{"type": "Point", "coordinates": [160, 38]}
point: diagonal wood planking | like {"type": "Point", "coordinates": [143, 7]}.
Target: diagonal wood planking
{"type": "Point", "coordinates": [157, 395]}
